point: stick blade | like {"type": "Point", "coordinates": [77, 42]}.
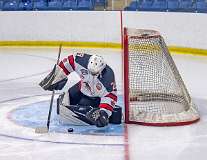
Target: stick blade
{"type": "Point", "coordinates": [41, 130]}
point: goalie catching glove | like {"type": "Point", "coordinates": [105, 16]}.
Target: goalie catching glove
{"type": "Point", "coordinates": [98, 117]}
{"type": "Point", "coordinates": [55, 80]}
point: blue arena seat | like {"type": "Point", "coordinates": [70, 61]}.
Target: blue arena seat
{"type": "Point", "coordinates": [159, 5]}
{"type": "Point", "coordinates": [25, 5]}
{"type": "Point", "coordinates": [173, 5]}
{"type": "Point", "coordinates": [1, 5]}
{"type": "Point", "coordinates": [100, 3]}
{"type": "Point", "coordinates": [187, 6]}
{"type": "Point", "coordinates": [54, 5]}
{"type": "Point", "coordinates": [145, 5]}
{"type": "Point", "coordinates": [85, 5]}
{"type": "Point", "coordinates": [69, 5]}
{"type": "Point", "coordinates": [201, 6]}
{"type": "Point", "coordinates": [40, 4]}
{"type": "Point", "coordinates": [10, 5]}
{"type": "Point", "coordinates": [132, 6]}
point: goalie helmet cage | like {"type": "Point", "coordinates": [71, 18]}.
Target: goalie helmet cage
{"type": "Point", "coordinates": [155, 93]}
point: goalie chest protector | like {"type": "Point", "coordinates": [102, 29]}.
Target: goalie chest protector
{"type": "Point", "coordinates": [105, 81]}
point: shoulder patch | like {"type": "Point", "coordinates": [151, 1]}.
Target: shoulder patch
{"type": "Point", "coordinates": [108, 79]}
{"type": "Point", "coordinates": [82, 59]}
{"type": "Point", "coordinates": [80, 54]}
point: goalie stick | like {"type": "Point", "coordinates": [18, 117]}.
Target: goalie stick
{"type": "Point", "coordinates": [46, 129]}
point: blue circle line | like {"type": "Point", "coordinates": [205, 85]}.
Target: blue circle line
{"type": "Point", "coordinates": [47, 141]}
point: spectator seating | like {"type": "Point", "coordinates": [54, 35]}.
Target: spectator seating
{"type": "Point", "coordinates": [40, 4]}
{"type": "Point", "coordinates": [54, 5]}
{"type": "Point", "coordinates": [102, 3]}
{"type": "Point", "coordinates": [201, 6]}
{"type": "Point", "coordinates": [145, 5]}
{"type": "Point", "coordinates": [85, 5]}
{"type": "Point", "coordinates": [25, 5]}
{"type": "Point", "coordinates": [1, 4]}
{"type": "Point", "coordinates": [187, 6]}
{"type": "Point", "coordinates": [159, 5]}
{"type": "Point", "coordinates": [10, 5]}
{"type": "Point", "coordinates": [135, 5]}
{"type": "Point", "coordinates": [168, 5]}
{"type": "Point", "coordinates": [173, 5]}
{"type": "Point", "coordinates": [70, 5]}
{"type": "Point", "coordinates": [132, 6]}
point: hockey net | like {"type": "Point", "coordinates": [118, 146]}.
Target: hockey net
{"type": "Point", "coordinates": [155, 93]}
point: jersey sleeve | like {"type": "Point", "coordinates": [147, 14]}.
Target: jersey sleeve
{"type": "Point", "coordinates": [68, 64]}
{"type": "Point", "coordinates": [109, 99]}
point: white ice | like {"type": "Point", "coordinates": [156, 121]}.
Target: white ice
{"type": "Point", "coordinates": [22, 68]}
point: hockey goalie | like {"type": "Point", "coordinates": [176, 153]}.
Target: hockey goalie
{"type": "Point", "coordinates": [91, 101]}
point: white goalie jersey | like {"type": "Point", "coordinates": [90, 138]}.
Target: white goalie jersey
{"type": "Point", "coordinates": [102, 85]}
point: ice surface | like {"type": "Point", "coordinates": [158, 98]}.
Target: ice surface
{"type": "Point", "coordinates": [21, 100]}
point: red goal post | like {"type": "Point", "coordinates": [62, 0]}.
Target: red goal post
{"type": "Point", "coordinates": [154, 92]}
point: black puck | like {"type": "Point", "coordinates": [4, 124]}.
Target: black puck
{"type": "Point", "coordinates": [70, 129]}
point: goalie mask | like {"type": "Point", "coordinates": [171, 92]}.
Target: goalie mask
{"type": "Point", "coordinates": [96, 64]}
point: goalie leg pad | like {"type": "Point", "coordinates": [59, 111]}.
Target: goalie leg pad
{"type": "Point", "coordinates": [116, 117]}
{"type": "Point", "coordinates": [74, 114]}
{"type": "Point", "coordinates": [64, 100]}
{"type": "Point", "coordinates": [72, 106]}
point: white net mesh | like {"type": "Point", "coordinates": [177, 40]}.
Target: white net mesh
{"type": "Point", "coordinates": [157, 93]}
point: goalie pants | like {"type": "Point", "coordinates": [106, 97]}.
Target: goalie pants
{"type": "Point", "coordinates": [77, 97]}
{"type": "Point", "coordinates": [79, 104]}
